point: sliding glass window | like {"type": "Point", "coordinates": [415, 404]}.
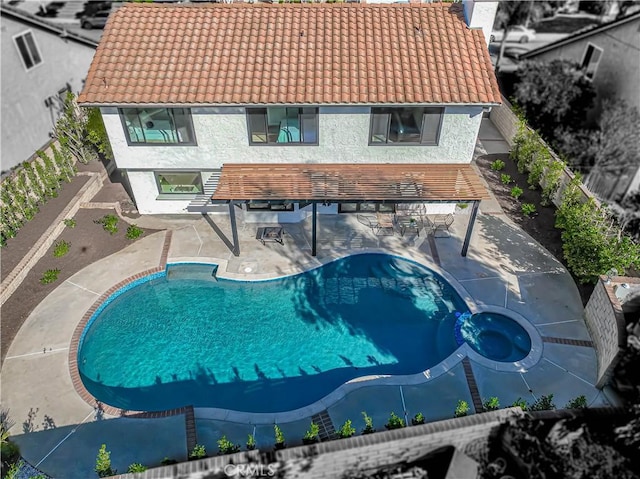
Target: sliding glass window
{"type": "Point", "coordinates": [282, 125]}
{"type": "Point", "coordinates": [169, 126]}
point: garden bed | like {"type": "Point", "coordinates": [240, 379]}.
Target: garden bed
{"type": "Point", "coordinates": [541, 225]}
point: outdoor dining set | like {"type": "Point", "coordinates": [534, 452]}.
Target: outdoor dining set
{"type": "Point", "coordinates": [408, 219]}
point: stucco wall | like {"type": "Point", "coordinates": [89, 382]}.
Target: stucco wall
{"type": "Point", "coordinates": [26, 120]}
{"type": "Point", "coordinates": [618, 72]}
{"type": "Point", "coordinates": [606, 325]}
{"type": "Point", "coordinates": [221, 134]}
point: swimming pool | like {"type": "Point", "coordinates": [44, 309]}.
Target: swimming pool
{"type": "Point", "coordinates": [184, 338]}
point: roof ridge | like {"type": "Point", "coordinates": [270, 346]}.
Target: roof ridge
{"type": "Point", "coordinates": [288, 5]}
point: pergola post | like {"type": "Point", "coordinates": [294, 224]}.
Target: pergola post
{"type": "Point", "coordinates": [472, 220]}
{"type": "Point", "coordinates": [234, 230]}
{"type": "Point", "coordinates": [314, 216]}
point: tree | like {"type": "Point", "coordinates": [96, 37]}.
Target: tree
{"type": "Point", "coordinates": [508, 15]}
{"type": "Point", "coordinates": [553, 94]}
{"type": "Point", "coordinates": [71, 131]}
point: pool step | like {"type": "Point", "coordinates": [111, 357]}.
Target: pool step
{"type": "Point", "coordinates": [190, 424]}
{"type": "Point", "coordinates": [324, 422]}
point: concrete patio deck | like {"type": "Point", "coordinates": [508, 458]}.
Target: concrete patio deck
{"type": "Point", "coordinates": [60, 433]}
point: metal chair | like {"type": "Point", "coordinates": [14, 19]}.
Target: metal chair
{"type": "Point", "coordinates": [441, 223]}
{"type": "Point", "coordinates": [372, 222]}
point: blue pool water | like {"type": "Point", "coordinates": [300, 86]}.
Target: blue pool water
{"type": "Point", "coordinates": [184, 338]}
{"type": "Point", "coordinates": [495, 336]}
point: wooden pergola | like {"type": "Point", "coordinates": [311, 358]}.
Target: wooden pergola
{"type": "Point", "coordinates": [349, 183]}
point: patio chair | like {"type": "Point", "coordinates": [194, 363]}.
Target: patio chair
{"type": "Point", "coordinates": [372, 222]}
{"type": "Point", "coordinates": [441, 223]}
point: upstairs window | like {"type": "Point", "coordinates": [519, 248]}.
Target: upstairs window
{"type": "Point", "coordinates": [26, 44]}
{"type": "Point", "coordinates": [406, 126]}
{"type": "Point", "coordinates": [282, 125]}
{"type": "Point", "coordinates": [169, 126]}
{"type": "Point", "coordinates": [592, 56]}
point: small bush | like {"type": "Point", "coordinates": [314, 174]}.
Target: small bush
{"type": "Point", "coordinates": [462, 206]}
{"type": "Point", "coordinates": [49, 276]}
{"type": "Point", "coordinates": [70, 223]}
{"type": "Point", "coordinates": [251, 442]}
{"type": "Point", "coordinates": [311, 435]}
{"type": "Point", "coordinates": [505, 179]}
{"type": "Point", "coordinates": [543, 403]}
{"type": "Point", "coordinates": [346, 430]}
{"type": "Point", "coordinates": [227, 447]}
{"type": "Point", "coordinates": [103, 463]}
{"type": "Point", "coordinates": [579, 402]}
{"type": "Point", "coordinates": [418, 419]}
{"type": "Point", "coordinates": [198, 452]}
{"type": "Point", "coordinates": [136, 467]}
{"type": "Point", "coordinates": [60, 248]}
{"type": "Point", "coordinates": [134, 232]}
{"type": "Point", "coordinates": [279, 436]}
{"type": "Point", "coordinates": [394, 422]}
{"type": "Point", "coordinates": [521, 403]}
{"type": "Point", "coordinates": [368, 424]}
{"type": "Point", "coordinates": [528, 209]}
{"type": "Point", "coordinates": [10, 452]}
{"type": "Point", "coordinates": [516, 192]}
{"type": "Point", "coordinates": [462, 408]}
{"type": "Point", "coordinates": [109, 223]}
{"type": "Point", "coordinates": [497, 165]}
{"type": "Point", "coordinates": [491, 404]}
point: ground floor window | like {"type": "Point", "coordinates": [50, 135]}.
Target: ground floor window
{"type": "Point", "coordinates": [179, 182]}
{"type": "Point", "coordinates": [269, 206]}
{"type": "Point", "coordinates": [366, 208]}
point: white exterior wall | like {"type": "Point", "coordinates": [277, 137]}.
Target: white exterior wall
{"type": "Point", "coordinates": [481, 14]}
{"type": "Point", "coordinates": [27, 121]}
{"type": "Point", "coordinates": [222, 137]}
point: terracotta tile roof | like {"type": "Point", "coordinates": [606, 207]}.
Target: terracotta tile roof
{"type": "Point", "coordinates": [239, 54]}
{"type": "Point", "coordinates": [348, 182]}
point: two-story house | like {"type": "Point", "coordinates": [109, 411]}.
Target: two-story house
{"type": "Point", "coordinates": [285, 110]}
{"type": "Point", "coordinates": [40, 63]}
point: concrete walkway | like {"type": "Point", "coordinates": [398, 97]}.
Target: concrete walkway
{"type": "Point", "coordinates": [505, 268]}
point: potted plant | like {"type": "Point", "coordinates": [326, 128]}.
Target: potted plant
{"type": "Point", "coordinates": [279, 437]}
{"type": "Point", "coordinates": [368, 424]}
{"type": "Point", "coordinates": [417, 419]}
{"type": "Point", "coordinates": [346, 430]}
{"type": "Point", "coordinates": [251, 442]}
{"type": "Point", "coordinates": [311, 436]}
{"type": "Point", "coordinates": [394, 422]}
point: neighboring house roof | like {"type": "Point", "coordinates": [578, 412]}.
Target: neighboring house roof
{"type": "Point", "coordinates": [36, 22]}
{"type": "Point", "coordinates": [581, 34]}
{"type": "Point", "coordinates": [243, 54]}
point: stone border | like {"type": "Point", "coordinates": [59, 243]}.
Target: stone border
{"type": "Point", "coordinates": [29, 260]}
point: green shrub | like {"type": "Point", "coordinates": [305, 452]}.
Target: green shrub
{"type": "Point", "coordinates": [109, 223]}
{"type": "Point", "coordinates": [551, 180]}
{"type": "Point", "coordinates": [491, 404]}
{"type": "Point", "coordinates": [279, 436]}
{"type": "Point", "coordinates": [418, 419]}
{"type": "Point", "coordinates": [60, 248]}
{"type": "Point", "coordinates": [49, 276]}
{"type": "Point", "coordinates": [579, 402]}
{"type": "Point", "coordinates": [592, 243]}
{"type": "Point", "coordinates": [505, 179]}
{"type": "Point", "coordinates": [251, 442]}
{"type": "Point", "coordinates": [516, 192]}
{"type": "Point", "coordinates": [368, 424]}
{"type": "Point", "coordinates": [70, 223]}
{"type": "Point", "coordinates": [227, 447]}
{"type": "Point", "coordinates": [462, 408]}
{"type": "Point", "coordinates": [521, 403]}
{"type": "Point", "coordinates": [103, 463]}
{"type": "Point", "coordinates": [528, 209]}
{"type": "Point", "coordinates": [198, 452]}
{"type": "Point", "coordinates": [136, 467]}
{"type": "Point", "coordinates": [10, 452]}
{"type": "Point", "coordinates": [14, 469]}
{"type": "Point", "coordinates": [394, 422]}
{"type": "Point", "coordinates": [311, 435]}
{"type": "Point", "coordinates": [134, 232]}
{"type": "Point", "coordinates": [462, 206]}
{"type": "Point", "coordinates": [497, 165]}
{"type": "Point", "coordinates": [346, 430]}
{"type": "Point", "coordinates": [543, 403]}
